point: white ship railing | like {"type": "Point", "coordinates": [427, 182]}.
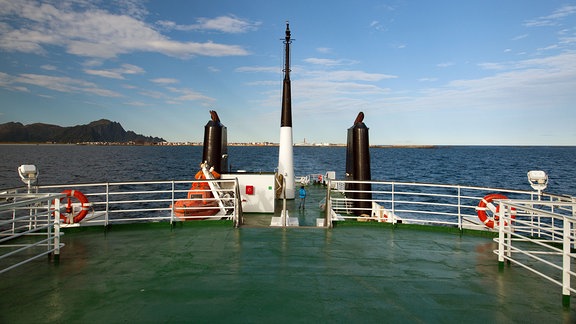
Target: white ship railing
{"type": "Point", "coordinates": [30, 222]}
{"type": "Point", "coordinates": [151, 201]}
{"type": "Point", "coordinates": [414, 203]}
{"type": "Point", "coordinates": [28, 228]}
{"type": "Point", "coordinates": [538, 232]}
{"type": "Point", "coordinates": [540, 238]}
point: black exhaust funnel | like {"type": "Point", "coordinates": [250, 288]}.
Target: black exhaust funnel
{"type": "Point", "coordinates": [358, 167]}
{"type": "Point", "coordinates": [216, 144]}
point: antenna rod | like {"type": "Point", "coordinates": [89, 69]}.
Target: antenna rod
{"type": "Point", "coordinates": [286, 119]}
{"type": "Point", "coordinates": [287, 42]}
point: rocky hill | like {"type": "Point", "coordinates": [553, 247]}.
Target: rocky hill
{"type": "Point", "coordinates": [98, 131]}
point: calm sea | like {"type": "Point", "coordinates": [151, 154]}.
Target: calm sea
{"type": "Point", "coordinates": [500, 167]}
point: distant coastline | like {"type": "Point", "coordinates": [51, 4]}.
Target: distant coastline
{"type": "Point", "coordinates": [200, 144]}
{"type": "Point", "coordinates": [297, 145]}
{"type": "Point", "coordinates": [260, 144]}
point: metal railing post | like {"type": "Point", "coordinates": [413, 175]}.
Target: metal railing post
{"type": "Point", "coordinates": [56, 225]}
{"type": "Point", "coordinates": [501, 241]}
{"type": "Point", "coordinates": [393, 203]}
{"type": "Point", "coordinates": [507, 225]}
{"type": "Point", "coordinates": [50, 243]}
{"type": "Point", "coordinates": [14, 220]}
{"type": "Point", "coordinates": [172, 204]}
{"type": "Point", "coordinates": [107, 204]}
{"type": "Point", "coordinates": [328, 205]}
{"type": "Point", "coordinates": [284, 210]}
{"type": "Point", "coordinates": [566, 262]}
{"type": "Point", "coordinates": [574, 217]}
{"type": "Point", "coordinates": [460, 225]}
{"type": "Point", "coordinates": [234, 205]}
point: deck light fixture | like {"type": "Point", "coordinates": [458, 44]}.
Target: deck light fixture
{"type": "Point", "coordinates": [538, 180]}
{"type": "Point", "coordinates": [28, 173]}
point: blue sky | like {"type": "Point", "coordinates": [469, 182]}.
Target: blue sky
{"type": "Point", "coordinates": [423, 72]}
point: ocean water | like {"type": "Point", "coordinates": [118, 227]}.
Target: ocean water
{"type": "Point", "coordinates": [489, 166]}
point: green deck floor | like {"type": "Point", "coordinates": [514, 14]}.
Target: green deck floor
{"type": "Point", "coordinates": [202, 274]}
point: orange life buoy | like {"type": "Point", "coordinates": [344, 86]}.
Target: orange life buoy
{"type": "Point", "coordinates": [486, 204]}
{"type": "Point", "coordinates": [85, 206]}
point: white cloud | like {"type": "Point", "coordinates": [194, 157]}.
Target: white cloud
{"type": "Point", "coordinates": [529, 84]}
{"type": "Point", "coordinates": [137, 104]}
{"type": "Point", "coordinates": [268, 69]}
{"type": "Point", "coordinates": [376, 25]}
{"type": "Point", "coordinates": [568, 40]}
{"type": "Point", "coordinates": [93, 32]}
{"type": "Point", "coordinates": [224, 24]}
{"type": "Point", "coordinates": [492, 66]}
{"type": "Point", "coordinates": [398, 45]}
{"type": "Point", "coordinates": [92, 62]}
{"type": "Point", "coordinates": [7, 82]}
{"type": "Point", "coordinates": [548, 48]}
{"type": "Point", "coordinates": [63, 84]}
{"type": "Point", "coordinates": [48, 67]}
{"type": "Point", "coordinates": [345, 75]}
{"type": "Point", "coordinates": [265, 83]}
{"type": "Point", "coordinates": [324, 50]}
{"type": "Point", "coordinates": [105, 74]}
{"type": "Point", "coordinates": [131, 69]}
{"type": "Point", "coordinates": [513, 90]}
{"type": "Point", "coordinates": [117, 73]}
{"type": "Point", "coordinates": [133, 8]}
{"type": "Point", "coordinates": [187, 49]}
{"type": "Point", "coordinates": [519, 37]}
{"type": "Point", "coordinates": [444, 64]}
{"type": "Point", "coordinates": [153, 94]}
{"type": "Point", "coordinates": [552, 19]}
{"type": "Point", "coordinates": [329, 62]}
{"type": "Point", "coordinates": [327, 98]}
{"type": "Point", "coordinates": [186, 94]}
{"type": "Point", "coordinates": [320, 92]}
{"type": "Point", "coordinates": [164, 81]}
{"type": "Point", "coordinates": [21, 89]}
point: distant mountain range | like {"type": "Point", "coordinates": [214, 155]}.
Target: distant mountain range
{"type": "Point", "coordinates": [98, 131]}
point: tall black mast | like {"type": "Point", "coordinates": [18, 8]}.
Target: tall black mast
{"type": "Point", "coordinates": [286, 119]}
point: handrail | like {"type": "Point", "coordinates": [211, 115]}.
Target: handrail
{"type": "Point", "coordinates": [543, 246]}
{"type": "Point", "coordinates": [29, 228]}
{"type": "Point", "coordinates": [150, 201]}
{"type": "Point", "coordinates": [36, 217]}
{"type": "Point", "coordinates": [417, 203]}
{"type": "Point", "coordinates": [542, 231]}
{"type": "Point", "coordinates": [534, 231]}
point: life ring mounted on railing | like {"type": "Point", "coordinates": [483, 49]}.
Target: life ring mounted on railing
{"type": "Point", "coordinates": [67, 216]}
{"type": "Point", "coordinates": [486, 205]}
